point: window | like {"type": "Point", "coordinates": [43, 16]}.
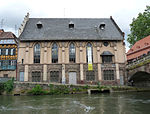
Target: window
{"type": "Point", "coordinates": [6, 51]}
{"type": "Point", "coordinates": [54, 53]}
{"type": "Point", "coordinates": [5, 75]}
{"type": "Point", "coordinates": [14, 51]}
{"type": "Point", "coordinates": [105, 44]}
{"type": "Point", "coordinates": [107, 58]}
{"type": "Point", "coordinates": [72, 51]}
{"type": "Point", "coordinates": [3, 51]}
{"type": "Point", "coordinates": [11, 53]}
{"type": "Point", "coordinates": [102, 26]}
{"type": "Point", "coordinates": [37, 53]}
{"type": "Point", "coordinates": [90, 75]}
{"type": "Point", "coordinates": [5, 62]}
{"type": "Point", "coordinates": [54, 76]}
{"type": "Point", "coordinates": [108, 74]}
{"type": "Point", "coordinates": [39, 25]}
{"type": "Point", "coordinates": [71, 25]}
{"type": "Point", "coordinates": [36, 76]}
{"type": "Point", "coordinates": [12, 62]}
{"type": "Point", "coordinates": [89, 53]}
{"type": "Point", "coordinates": [1, 63]}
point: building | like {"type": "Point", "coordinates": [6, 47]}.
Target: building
{"type": "Point", "coordinates": [139, 49]}
{"type": "Point", "coordinates": [71, 50]}
{"type": "Point", "coordinates": [8, 54]}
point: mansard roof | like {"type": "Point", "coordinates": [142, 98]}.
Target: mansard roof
{"type": "Point", "coordinates": [58, 29]}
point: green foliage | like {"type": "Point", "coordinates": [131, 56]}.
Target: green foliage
{"type": "Point", "coordinates": [98, 85]}
{"type": "Point", "coordinates": [37, 90]}
{"type": "Point", "coordinates": [61, 89]}
{"type": "Point", "coordinates": [140, 27]}
{"type": "Point", "coordinates": [1, 88]}
{"type": "Point", "coordinates": [86, 87]}
{"type": "Point", "coordinates": [9, 85]}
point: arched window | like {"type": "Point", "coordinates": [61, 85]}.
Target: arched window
{"type": "Point", "coordinates": [89, 53]}
{"type": "Point", "coordinates": [37, 53]}
{"type": "Point", "coordinates": [72, 53]}
{"type": "Point", "coordinates": [54, 53]}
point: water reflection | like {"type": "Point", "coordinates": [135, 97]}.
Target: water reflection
{"type": "Point", "coordinates": [121, 103]}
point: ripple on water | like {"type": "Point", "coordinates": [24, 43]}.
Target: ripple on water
{"type": "Point", "coordinates": [84, 107]}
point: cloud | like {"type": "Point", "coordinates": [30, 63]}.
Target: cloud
{"type": "Point", "coordinates": [13, 11]}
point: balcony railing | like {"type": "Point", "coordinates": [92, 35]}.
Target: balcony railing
{"type": "Point", "coordinates": [8, 67]}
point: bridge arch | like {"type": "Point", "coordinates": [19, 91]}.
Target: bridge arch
{"type": "Point", "coordinates": [140, 78]}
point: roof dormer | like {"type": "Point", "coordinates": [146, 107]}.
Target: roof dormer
{"type": "Point", "coordinates": [102, 26]}
{"type": "Point", "coordinates": [71, 25]}
{"type": "Point", "coordinates": [39, 25]}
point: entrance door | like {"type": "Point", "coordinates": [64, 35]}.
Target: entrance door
{"type": "Point", "coordinates": [21, 76]}
{"type": "Point", "coordinates": [72, 78]}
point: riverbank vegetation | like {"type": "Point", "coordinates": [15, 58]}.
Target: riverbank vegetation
{"type": "Point", "coordinates": [7, 86]}
{"type": "Point", "coordinates": [10, 88]}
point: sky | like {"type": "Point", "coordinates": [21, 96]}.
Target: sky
{"type": "Point", "coordinates": [12, 12]}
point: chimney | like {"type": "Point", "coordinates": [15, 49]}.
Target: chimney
{"type": "Point", "coordinates": [1, 30]}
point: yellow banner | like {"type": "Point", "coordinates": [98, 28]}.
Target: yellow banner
{"type": "Point", "coordinates": [90, 67]}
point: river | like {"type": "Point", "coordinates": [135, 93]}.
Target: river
{"type": "Point", "coordinates": [113, 103]}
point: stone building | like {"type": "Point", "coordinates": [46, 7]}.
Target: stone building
{"type": "Point", "coordinates": [71, 50]}
{"type": "Point", "coordinates": [8, 54]}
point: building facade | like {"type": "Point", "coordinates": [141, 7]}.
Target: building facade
{"type": "Point", "coordinates": [71, 50]}
{"type": "Point", "coordinates": [140, 49]}
{"type": "Point", "coordinates": [8, 54]}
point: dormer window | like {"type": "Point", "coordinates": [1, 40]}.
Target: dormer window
{"type": "Point", "coordinates": [71, 25]}
{"type": "Point", "coordinates": [146, 44]}
{"type": "Point", "coordinates": [39, 25]}
{"type": "Point", "coordinates": [102, 26]}
{"type": "Point", "coordinates": [137, 47]}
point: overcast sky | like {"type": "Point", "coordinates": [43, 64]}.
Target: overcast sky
{"type": "Point", "coordinates": [12, 12]}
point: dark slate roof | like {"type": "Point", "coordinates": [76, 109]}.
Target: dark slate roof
{"type": "Point", "coordinates": [106, 53]}
{"type": "Point", "coordinates": [58, 29]}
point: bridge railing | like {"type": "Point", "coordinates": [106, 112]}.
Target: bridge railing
{"type": "Point", "coordinates": [141, 61]}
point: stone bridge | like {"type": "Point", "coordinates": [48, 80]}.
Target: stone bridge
{"type": "Point", "coordinates": [138, 72]}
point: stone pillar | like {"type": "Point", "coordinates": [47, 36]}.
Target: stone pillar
{"type": "Point", "coordinates": [117, 71]}
{"type": "Point", "coordinates": [63, 66]}
{"type": "Point", "coordinates": [45, 73]}
{"type": "Point", "coordinates": [63, 54]}
{"type": "Point", "coordinates": [27, 55]}
{"type": "Point", "coordinates": [99, 65]}
{"type": "Point", "coordinates": [63, 74]}
{"type": "Point", "coordinates": [26, 68]}
{"type": "Point", "coordinates": [81, 64]}
{"type": "Point", "coordinates": [117, 65]}
{"type": "Point", "coordinates": [26, 73]}
{"type": "Point", "coordinates": [99, 72]}
{"type": "Point", "coordinates": [81, 72]}
{"type": "Point", "coordinates": [45, 66]}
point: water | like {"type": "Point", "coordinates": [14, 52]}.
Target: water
{"type": "Point", "coordinates": [113, 103]}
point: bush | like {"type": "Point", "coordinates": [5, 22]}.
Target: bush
{"type": "Point", "coordinates": [9, 85]}
{"type": "Point", "coordinates": [86, 87]}
{"type": "Point", "coordinates": [37, 90]}
{"type": "Point", "coordinates": [1, 88]}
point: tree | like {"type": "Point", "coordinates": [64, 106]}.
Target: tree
{"type": "Point", "coordinates": [140, 27]}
